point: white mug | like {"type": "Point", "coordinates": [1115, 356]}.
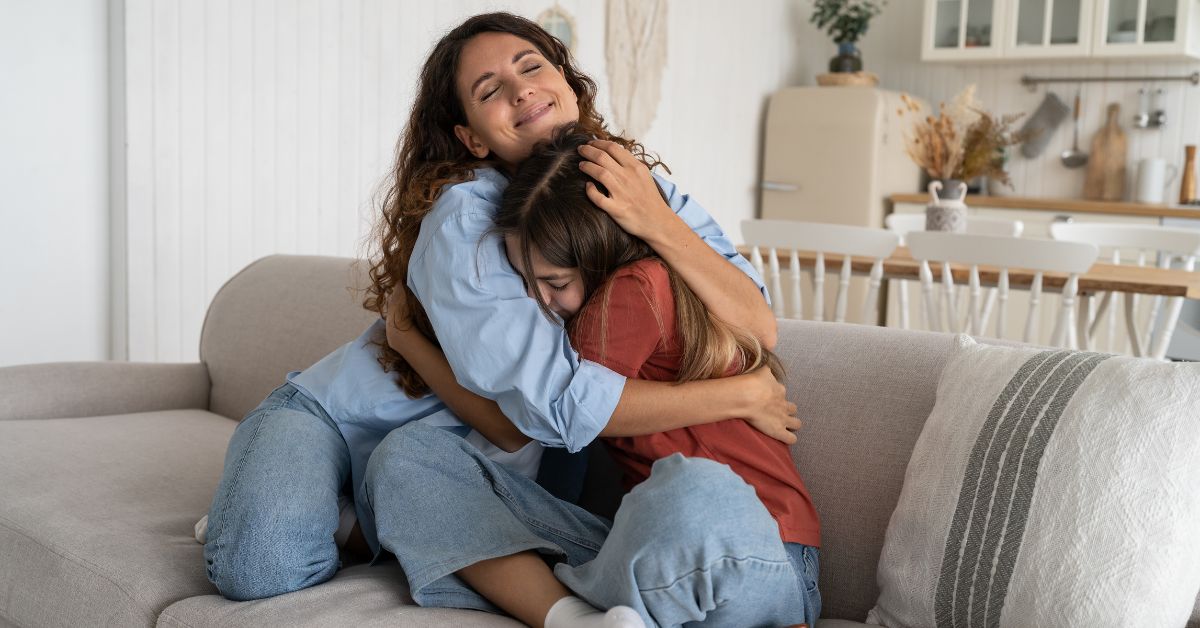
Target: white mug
{"type": "Point", "coordinates": [1152, 179]}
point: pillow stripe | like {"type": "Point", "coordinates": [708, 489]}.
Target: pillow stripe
{"type": "Point", "coordinates": [998, 487]}
{"type": "Point", "coordinates": [1007, 461]}
{"type": "Point", "coordinates": [1022, 498]}
{"type": "Point", "coordinates": [1027, 405]}
{"type": "Point", "coordinates": [952, 559]}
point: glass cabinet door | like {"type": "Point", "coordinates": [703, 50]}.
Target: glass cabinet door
{"type": "Point", "coordinates": [1140, 27]}
{"type": "Point", "coordinates": [1159, 25]}
{"type": "Point", "coordinates": [1050, 28]}
{"type": "Point", "coordinates": [947, 16]}
{"type": "Point", "coordinates": [1128, 25]}
{"type": "Point", "coordinates": [980, 23]}
{"type": "Point", "coordinates": [1122, 22]}
{"type": "Point", "coordinates": [962, 29]}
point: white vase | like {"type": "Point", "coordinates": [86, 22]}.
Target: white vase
{"type": "Point", "coordinates": [946, 210]}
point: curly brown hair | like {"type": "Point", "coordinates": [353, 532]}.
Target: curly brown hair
{"type": "Point", "coordinates": [429, 157]}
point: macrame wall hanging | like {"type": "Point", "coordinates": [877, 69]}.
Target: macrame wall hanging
{"type": "Point", "coordinates": [636, 55]}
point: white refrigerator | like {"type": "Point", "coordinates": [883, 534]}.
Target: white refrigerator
{"type": "Point", "coordinates": [834, 155]}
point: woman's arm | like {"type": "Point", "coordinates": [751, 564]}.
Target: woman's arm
{"type": "Point", "coordinates": [430, 363]}
{"type": "Point", "coordinates": [636, 203]}
{"type": "Point", "coordinates": [645, 407]}
{"type": "Point", "coordinates": [650, 407]}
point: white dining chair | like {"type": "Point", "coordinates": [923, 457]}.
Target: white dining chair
{"type": "Point", "coordinates": [902, 224]}
{"type": "Point", "coordinates": [976, 225]}
{"type": "Point", "coordinates": [1140, 245]}
{"type": "Point", "coordinates": [790, 236]}
{"type": "Point", "coordinates": [1002, 253]}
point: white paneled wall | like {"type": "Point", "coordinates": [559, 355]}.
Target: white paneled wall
{"type": "Point", "coordinates": [892, 50]}
{"type": "Point", "coordinates": [266, 126]}
{"type": "Point", "coordinates": [54, 296]}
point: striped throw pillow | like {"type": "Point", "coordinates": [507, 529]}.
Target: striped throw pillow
{"type": "Point", "coordinates": [1049, 488]}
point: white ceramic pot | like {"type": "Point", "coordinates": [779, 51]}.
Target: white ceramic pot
{"type": "Point", "coordinates": [946, 210]}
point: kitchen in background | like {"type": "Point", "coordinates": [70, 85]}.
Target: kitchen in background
{"type": "Point", "coordinates": [934, 53]}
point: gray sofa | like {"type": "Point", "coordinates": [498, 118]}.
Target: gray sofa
{"type": "Point", "coordinates": [105, 467]}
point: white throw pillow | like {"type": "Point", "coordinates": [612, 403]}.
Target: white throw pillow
{"type": "Point", "coordinates": [1049, 488]}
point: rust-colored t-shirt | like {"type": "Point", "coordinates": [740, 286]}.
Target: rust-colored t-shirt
{"type": "Point", "coordinates": [641, 341]}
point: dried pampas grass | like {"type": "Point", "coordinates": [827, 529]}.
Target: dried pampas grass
{"type": "Point", "coordinates": [962, 141]}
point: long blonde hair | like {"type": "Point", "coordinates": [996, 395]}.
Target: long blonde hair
{"type": "Point", "coordinates": [429, 157]}
{"type": "Point", "coordinates": [546, 207]}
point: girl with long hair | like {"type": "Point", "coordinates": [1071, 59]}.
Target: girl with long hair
{"type": "Point", "coordinates": [490, 89]}
{"type": "Point", "coordinates": [627, 310]}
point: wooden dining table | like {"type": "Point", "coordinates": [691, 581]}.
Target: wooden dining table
{"type": "Point", "coordinates": [1101, 277]}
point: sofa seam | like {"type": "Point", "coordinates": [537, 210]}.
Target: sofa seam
{"type": "Point", "coordinates": [94, 569]}
{"type": "Point", "coordinates": [172, 617]}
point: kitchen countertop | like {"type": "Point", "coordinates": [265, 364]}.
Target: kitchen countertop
{"type": "Point", "coordinates": [1066, 205]}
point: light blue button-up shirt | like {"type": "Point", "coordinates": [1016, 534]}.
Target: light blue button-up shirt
{"type": "Point", "coordinates": [495, 337]}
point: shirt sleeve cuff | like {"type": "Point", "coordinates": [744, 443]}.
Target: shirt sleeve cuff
{"type": "Point", "coordinates": [595, 392]}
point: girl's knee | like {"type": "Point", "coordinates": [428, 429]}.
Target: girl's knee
{"type": "Point", "coordinates": [697, 497]}
{"type": "Point", "coordinates": [683, 480]}
{"type": "Point", "coordinates": [411, 452]}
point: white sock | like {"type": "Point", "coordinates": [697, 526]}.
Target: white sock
{"type": "Point", "coordinates": [347, 517]}
{"type": "Point", "coordinates": [201, 530]}
{"type": "Point", "coordinates": [572, 612]}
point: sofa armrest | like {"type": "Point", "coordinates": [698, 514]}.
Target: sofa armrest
{"type": "Point", "coordinates": [82, 389]}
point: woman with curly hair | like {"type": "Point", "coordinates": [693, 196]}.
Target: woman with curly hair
{"type": "Point", "coordinates": [488, 92]}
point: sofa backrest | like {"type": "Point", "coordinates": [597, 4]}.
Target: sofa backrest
{"type": "Point", "coordinates": [864, 394]}
{"type": "Point", "coordinates": [281, 313]}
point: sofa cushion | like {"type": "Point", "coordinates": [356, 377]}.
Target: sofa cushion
{"type": "Point", "coordinates": [357, 596]}
{"type": "Point", "coordinates": [96, 515]}
{"type": "Point", "coordinates": [282, 313]}
{"type": "Point", "coordinates": [1049, 488]}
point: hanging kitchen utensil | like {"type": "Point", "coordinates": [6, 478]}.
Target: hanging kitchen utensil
{"type": "Point", "coordinates": [1040, 126]}
{"type": "Point", "coordinates": [1075, 158]}
{"type": "Point", "coordinates": [1105, 179]}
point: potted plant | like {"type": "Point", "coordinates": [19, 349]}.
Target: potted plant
{"type": "Point", "coordinates": [962, 142]}
{"type": "Point", "coordinates": [846, 21]}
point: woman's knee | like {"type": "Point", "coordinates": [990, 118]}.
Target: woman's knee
{"type": "Point", "coordinates": [269, 551]}
{"type": "Point", "coordinates": [274, 514]}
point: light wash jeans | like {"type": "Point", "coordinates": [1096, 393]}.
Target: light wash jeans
{"type": "Point", "coordinates": [271, 525]}
{"type": "Point", "coordinates": [691, 545]}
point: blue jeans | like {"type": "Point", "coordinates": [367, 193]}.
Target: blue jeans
{"type": "Point", "coordinates": [692, 545]}
{"type": "Point", "coordinates": [272, 521]}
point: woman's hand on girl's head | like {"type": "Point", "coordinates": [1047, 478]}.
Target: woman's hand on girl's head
{"type": "Point", "coordinates": [768, 409]}
{"type": "Point", "coordinates": [634, 200]}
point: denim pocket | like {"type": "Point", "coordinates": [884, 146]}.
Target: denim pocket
{"type": "Point", "coordinates": [811, 568]}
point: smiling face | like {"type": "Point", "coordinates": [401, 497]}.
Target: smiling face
{"type": "Point", "coordinates": [561, 289]}
{"type": "Point", "coordinates": [512, 95]}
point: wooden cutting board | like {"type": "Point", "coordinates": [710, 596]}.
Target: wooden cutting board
{"type": "Point", "coordinates": [1106, 165]}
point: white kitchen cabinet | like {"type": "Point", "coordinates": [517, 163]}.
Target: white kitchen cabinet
{"type": "Point", "coordinates": [1048, 28]}
{"type": "Point", "coordinates": [958, 30]}
{"type": "Point", "coordinates": [1146, 28]}
{"type": "Point", "coordinates": [988, 30]}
